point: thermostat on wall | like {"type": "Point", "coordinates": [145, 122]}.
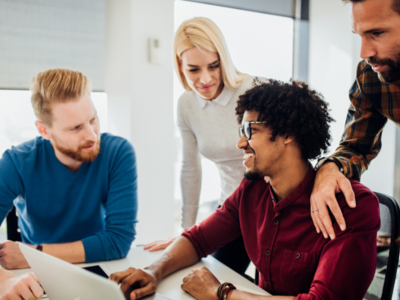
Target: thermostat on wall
{"type": "Point", "coordinates": [155, 51]}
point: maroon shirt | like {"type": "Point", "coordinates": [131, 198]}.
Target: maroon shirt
{"type": "Point", "coordinates": [281, 240]}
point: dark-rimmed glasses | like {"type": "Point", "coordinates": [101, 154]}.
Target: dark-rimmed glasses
{"type": "Point", "coordinates": [246, 129]}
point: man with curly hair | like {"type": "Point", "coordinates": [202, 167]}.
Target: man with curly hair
{"type": "Point", "coordinates": [283, 126]}
{"type": "Point", "coordinates": [374, 97]}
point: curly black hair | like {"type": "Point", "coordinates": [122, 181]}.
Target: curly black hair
{"type": "Point", "coordinates": [290, 110]}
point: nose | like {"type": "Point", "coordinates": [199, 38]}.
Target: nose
{"type": "Point", "coordinates": [242, 143]}
{"type": "Point", "coordinates": [367, 49]}
{"type": "Point", "coordinates": [205, 77]}
{"type": "Point", "coordinates": [90, 133]}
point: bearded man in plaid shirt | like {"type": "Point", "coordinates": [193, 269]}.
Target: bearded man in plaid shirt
{"type": "Point", "coordinates": [374, 97]}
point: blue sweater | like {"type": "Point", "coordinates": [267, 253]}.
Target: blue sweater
{"type": "Point", "coordinates": [97, 204]}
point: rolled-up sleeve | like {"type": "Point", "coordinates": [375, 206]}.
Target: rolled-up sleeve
{"type": "Point", "coordinates": [218, 229]}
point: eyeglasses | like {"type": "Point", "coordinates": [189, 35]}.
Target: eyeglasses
{"type": "Point", "coordinates": [246, 129]}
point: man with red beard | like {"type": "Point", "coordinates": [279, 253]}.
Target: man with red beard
{"type": "Point", "coordinates": [75, 189]}
{"type": "Point", "coordinates": [374, 97]}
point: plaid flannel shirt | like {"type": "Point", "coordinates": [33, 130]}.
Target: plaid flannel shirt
{"type": "Point", "coordinates": [372, 103]}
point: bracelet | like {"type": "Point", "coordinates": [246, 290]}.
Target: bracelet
{"type": "Point", "coordinates": [224, 289]}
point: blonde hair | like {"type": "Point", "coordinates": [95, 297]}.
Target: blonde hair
{"type": "Point", "coordinates": [58, 85]}
{"type": "Point", "coordinates": [204, 34]}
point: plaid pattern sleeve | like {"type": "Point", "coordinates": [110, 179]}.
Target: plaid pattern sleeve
{"type": "Point", "coordinates": [372, 103]}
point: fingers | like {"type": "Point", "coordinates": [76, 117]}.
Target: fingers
{"type": "Point", "coordinates": [345, 187]}
{"type": "Point", "coordinates": [337, 213]}
{"type": "Point", "coordinates": [119, 276]}
{"type": "Point", "coordinates": [23, 289]}
{"type": "Point", "coordinates": [152, 244]}
{"type": "Point", "coordinates": [160, 246]}
{"type": "Point", "coordinates": [325, 222]}
{"type": "Point", "coordinates": [314, 216]}
{"type": "Point", "coordinates": [148, 289]}
{"type": "Point", "coordinates": [35, 287]}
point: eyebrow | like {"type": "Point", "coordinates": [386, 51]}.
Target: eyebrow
{"type": "Point", "coordinates": [370, 31]}
{"type": "Point", "coordinates": [74, 126]}
{"type": "Point", "coordinates": [213, 63]}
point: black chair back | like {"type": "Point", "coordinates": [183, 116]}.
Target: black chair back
{"type": "Point", "coordinates": [382, 285]}
{"type": "Point", "coordinates": [13, 231]}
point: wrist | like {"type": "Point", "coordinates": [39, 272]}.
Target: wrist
{"type": "Point", "coordinates": [330, 163]}
{"type": "Point", "coordinates": [155, 271]}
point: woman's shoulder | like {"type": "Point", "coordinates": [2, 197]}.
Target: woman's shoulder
{"type": "Point", "coordinates": [187, 96]}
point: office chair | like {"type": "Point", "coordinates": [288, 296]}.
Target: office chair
{"type": "Point", "coordinates": [382, 285]}
{"type": "Point", "coordinates": [13, 231]}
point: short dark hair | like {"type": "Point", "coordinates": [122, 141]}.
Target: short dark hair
{"type": "Point", "coordinates": [395, 4]}
{"type": "Point", "coordinates": [290, 110]}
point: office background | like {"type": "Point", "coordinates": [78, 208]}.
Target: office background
{"type": "Point", "coordinates": [108, 40]}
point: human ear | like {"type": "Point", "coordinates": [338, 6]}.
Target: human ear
{"type": "Point", "coordinates": [42, 129]}
{"type": "Point", "coordinates": [287, 140]}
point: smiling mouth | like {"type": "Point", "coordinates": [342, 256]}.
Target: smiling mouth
{"type": "Point", "coordinates": [206, 87]}
{"type": "Point", "coordinates": [247, 158]}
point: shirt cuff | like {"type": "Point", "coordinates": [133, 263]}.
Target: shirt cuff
{"type": "Point", "coordinates": [93, 249]}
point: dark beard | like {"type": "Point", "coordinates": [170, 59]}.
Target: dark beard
{"type": "Point", "coordinates": [393, 72]}
{"type": "Point", "coordinates": [253, 175]}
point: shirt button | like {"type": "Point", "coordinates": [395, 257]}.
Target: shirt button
{"type": "Point", "coordinates": [267, 283]}
{"type": "Point", "coordinates": [267, 252]}
{"type": "Point", "coordinates": [276, 222]}
{"type": "Point", "coordinates": [298, 255]}
{"type": "Point", "coordinates": [273, 200]}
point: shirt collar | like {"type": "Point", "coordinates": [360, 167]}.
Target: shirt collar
{"type": "Point", "coordinates": [223, 98]}
{"type": "Point", "coordinates": [307, 182]}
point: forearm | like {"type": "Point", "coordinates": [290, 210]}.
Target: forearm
{"type": "Point", "coordinates": [240, 295]}
{"type": "Point", "coordinates": [180, 254]}
{"type": "Point", "coordinates": [71, 252]}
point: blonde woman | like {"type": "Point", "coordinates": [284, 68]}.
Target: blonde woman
{"type": "Point", "coordinates": [207, 122]}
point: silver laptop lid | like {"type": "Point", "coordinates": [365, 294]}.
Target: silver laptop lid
{"type": "Point", "coordinates": [64, 281]}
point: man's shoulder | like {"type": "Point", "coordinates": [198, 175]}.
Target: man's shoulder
{"type": "Point", "coordinates": [367, 204]}
{"type": "Point", "coordinates": [109, 139]}
{"type": "Point", "coordinates": [113, 145]}
{"type": "Point", "coordinates": [27, 149]}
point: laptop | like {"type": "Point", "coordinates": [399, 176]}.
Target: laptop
{"type": "Point", "coordinates": [64, 281]}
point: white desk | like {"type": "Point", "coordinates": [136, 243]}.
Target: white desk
{"type": "Point", "coordinates": [171, 285]}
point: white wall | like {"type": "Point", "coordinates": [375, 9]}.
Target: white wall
{"type": "Point", "coordinates": [334, 54]}
{"type": "Point", "coordinates": [140, 98]}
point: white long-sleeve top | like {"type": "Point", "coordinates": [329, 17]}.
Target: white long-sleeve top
{"type": "Point", "coordinates": [209, 128]}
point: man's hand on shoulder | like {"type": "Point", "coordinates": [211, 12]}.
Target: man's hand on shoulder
{"type": "Point", "coordinates": [19, 288]}
{"type": "Point", "coordinates": [11, 256]}
{"type": "Point", "coordinates": [328, 182]}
